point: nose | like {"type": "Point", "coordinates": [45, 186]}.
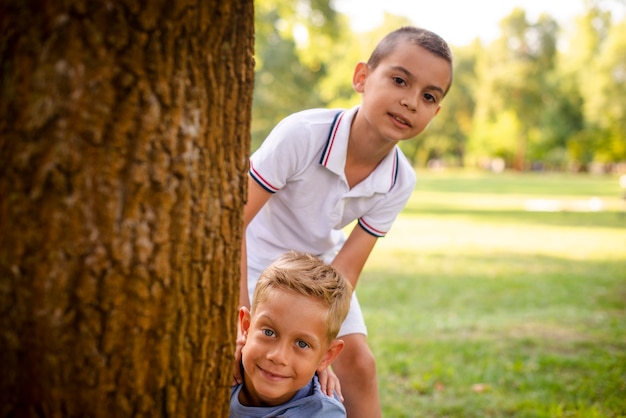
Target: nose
{"type": "Point", "coordinates": [277, 354]}
{"type": "Point", "coordinates": [410, 103]}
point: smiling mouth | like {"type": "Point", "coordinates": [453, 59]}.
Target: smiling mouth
{"type": "Point", "coordinates": [271, 376]}
{"type": "Point", "coordinates": [399, 120]}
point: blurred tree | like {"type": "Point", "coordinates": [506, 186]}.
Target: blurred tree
{"type": "Point", "coordinates": [124, 131]}
{"type": "Point", "coordinates": [519, 98]}
{"type": "Point", "coordinates": [605, 104]}
{"type": "Point", "coordinates": [513, 82]}
{"type": "Point", "coordinates": [291, 42]}
{"type": "Point", "coordinates": [560, 120]}
{"type": "Point", "coordinates": [577, 72]}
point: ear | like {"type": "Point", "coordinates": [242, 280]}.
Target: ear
{"type": "Point", "coordinates": [244, 321]}
{"type": "Point", "coordinates": [331, 354]}
{"type": "Point", "coordinates": [360, 75]}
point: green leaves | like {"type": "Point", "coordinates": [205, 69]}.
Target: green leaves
{"type": "Point", "coordinates": [538, 95]}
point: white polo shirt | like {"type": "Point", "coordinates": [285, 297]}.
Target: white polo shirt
{"type": "Point", "coordinates": [302, 163]}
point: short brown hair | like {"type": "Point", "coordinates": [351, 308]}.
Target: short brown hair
{"type": "Point", "coordinates": [307, 275]}
{"type": "Point", "coordinates": [417, 36]}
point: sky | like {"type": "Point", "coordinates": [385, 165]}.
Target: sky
{"type": "Point", "coordinates": [459, 22]}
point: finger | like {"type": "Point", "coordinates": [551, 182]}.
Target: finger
{"type": "Point", "coordinates": [338, 390]}
{"type": "Point", "coordinates": [330, 389]}
{"type": "Point", "coordinates": [323, 379]}
{"type": "Point", "coordinates": [237, 376]}
{"type": "Point", "coordinates": [331, 385]}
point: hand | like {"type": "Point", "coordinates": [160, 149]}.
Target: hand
{"type": "Point", "coordinates": [241, 340]}
{"type": "Point", "coordinates": [330, 383]}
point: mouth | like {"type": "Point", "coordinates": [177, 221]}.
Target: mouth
{"type": "Point", "coordinates": [271, 376]}
{"type": "Point", "coordinates": [399, 120]}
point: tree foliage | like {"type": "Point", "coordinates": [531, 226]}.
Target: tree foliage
{"type": "Point", "coordinates": [289, 44]}
{"type": "Point", "coordinates": [536, 97]}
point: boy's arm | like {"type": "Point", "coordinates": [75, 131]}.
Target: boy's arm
{"type": "Point", "coordinates": [354, 253]}
{"type": "Point", "coordinates": [257, 198]}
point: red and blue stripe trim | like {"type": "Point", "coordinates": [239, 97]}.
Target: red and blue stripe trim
{"type": "Point", "coordinates": [370, 229]}
{"type": "Point", "coordinates": [331, 139]}
{"type": "Point", "coordinates": [395, 169]}
{"type": "Point", "coordinates": [262, 182]}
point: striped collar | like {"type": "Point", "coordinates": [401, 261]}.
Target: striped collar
{"type": "Point", "coordinates": [384, 177]}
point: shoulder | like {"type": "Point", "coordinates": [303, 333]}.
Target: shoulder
{"type": "Point", "coordinates": [314, 404]}
{"type": "Point", "coordinates": [404, 164]}
{"type": "Point", "coordinates": [406, 171]}
{"type": "Point", "coordinates": [310, 402]}
{"type": "Point", "coordinates": [297, 139]}
{"type": "Point", "coordinates": [404, 176]}
{"type": "Point", "coordinates": [313, 116]}
{"type": "Point", "coordinates": [310, 120]}
{"type": "Point", "coordinates": [325, 406]}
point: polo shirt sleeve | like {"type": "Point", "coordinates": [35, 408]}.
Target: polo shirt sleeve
{"type": "Point", "coordinates": [283, 153]}
{"type": "Point", "coordinates": [378, 220]}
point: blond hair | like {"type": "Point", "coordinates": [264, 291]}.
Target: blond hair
{"type": "Point", "coordinates": [307, 275]}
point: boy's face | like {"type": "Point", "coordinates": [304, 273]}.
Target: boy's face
{"type": "Point", "coordinates": [403, 93]}
{"type": "Point", "coordinates": [286, 343]}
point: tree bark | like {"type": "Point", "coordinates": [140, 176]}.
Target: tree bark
{"type": "Point", "coordinates": [124, 141]}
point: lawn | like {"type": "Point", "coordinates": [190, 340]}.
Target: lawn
{"type": "Point", "coordinates": [502, 296]}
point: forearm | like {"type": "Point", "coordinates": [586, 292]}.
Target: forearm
{"type": "Point", "coordinates": [257, 197]}
{"type": "Point", "coordinates": [352, 257]}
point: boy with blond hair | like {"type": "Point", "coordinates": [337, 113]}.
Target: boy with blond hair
{"type": "Point", "coordinates": [298, 306]}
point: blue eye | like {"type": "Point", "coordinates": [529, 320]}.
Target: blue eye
{"type": "Point", "coordinates": [302, 344]}
{"type": "Point", "coordinates": [268, 332]}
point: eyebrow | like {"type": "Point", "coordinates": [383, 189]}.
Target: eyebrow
{"type": "Point", "coordinates": [412, 77]}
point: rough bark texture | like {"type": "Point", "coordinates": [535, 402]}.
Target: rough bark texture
{"type": "Point", "coordinates": [124, 136]}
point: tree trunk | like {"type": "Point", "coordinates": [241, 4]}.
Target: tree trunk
{"type": "Point", "coordinates": [124, 137]}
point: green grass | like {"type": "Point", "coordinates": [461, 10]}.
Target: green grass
{"type": "Point", "coordinates": [479, 308]}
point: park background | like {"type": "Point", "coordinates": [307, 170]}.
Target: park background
{"type": "Point", "coordinates": [125, 135]}
{"type": "Point", "coordinates": [541, 94]}
{"type": "Point", "coordinates": [501, 289]}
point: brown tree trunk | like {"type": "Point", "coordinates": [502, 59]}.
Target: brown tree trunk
{"type": "Point", "coordinates": [124, 136]}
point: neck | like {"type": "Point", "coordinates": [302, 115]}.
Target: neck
{"type": "Point", "coordinates": [365, 147]}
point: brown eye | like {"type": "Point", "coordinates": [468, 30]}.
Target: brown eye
{"type": "Point", "coordinates": [430, 98]}
{"type": "Point", "coordinates": [399, 81]}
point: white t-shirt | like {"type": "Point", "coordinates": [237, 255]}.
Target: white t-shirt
{"type": "Point", "coordinates": [302, 163]}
